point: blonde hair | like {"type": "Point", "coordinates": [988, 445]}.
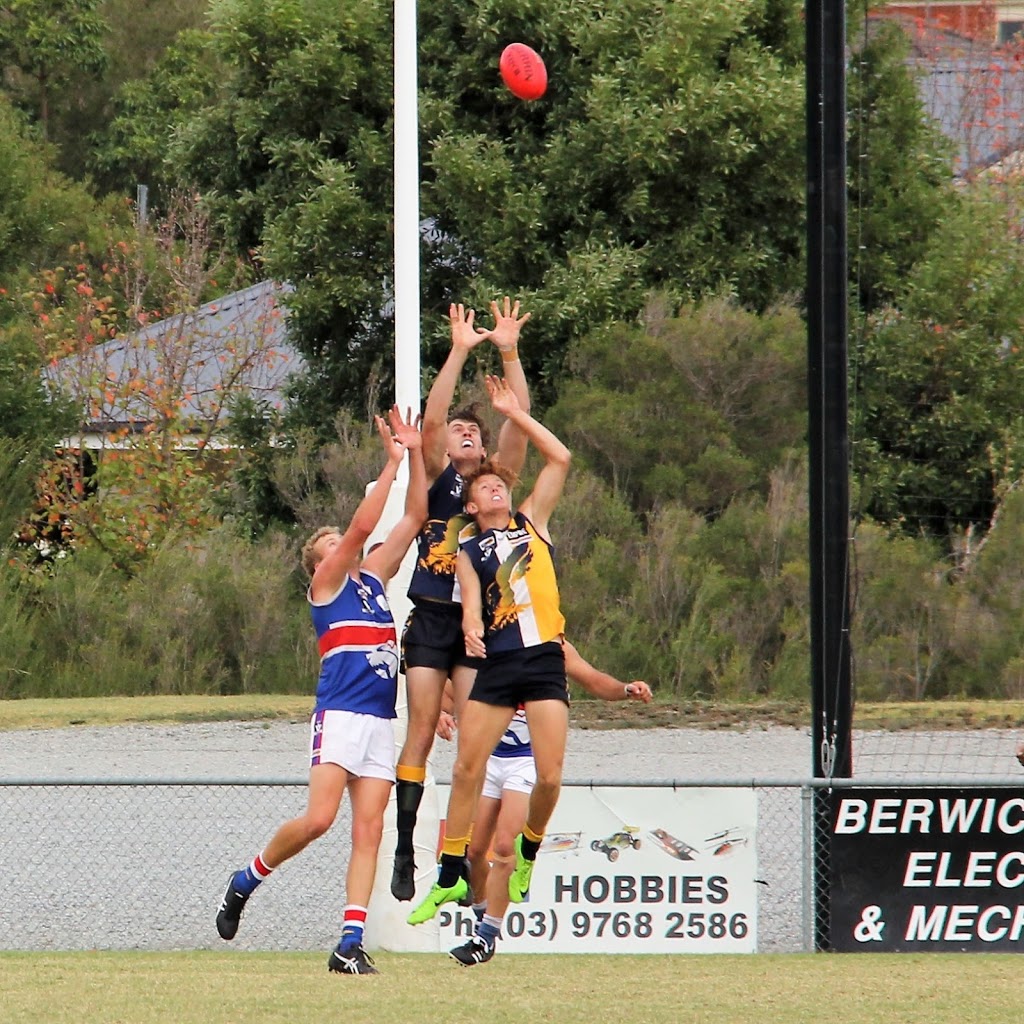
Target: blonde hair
{"type": "Point", "coordinates": [489, 467]}
{"type": "Point", "coordinates": [309, 557]}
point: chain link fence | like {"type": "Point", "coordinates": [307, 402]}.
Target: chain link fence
{"type": "Point", "coordinates": [141, 865]}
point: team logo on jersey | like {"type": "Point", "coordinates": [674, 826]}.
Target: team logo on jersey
{"type": "Point", "coordinates": [365, 597]}
{"type": "Point", "coordinates": [384, 660]}
{"type": "Point", "coordinates": [443, 538]}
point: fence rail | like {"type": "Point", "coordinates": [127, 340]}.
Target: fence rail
{"type": "Point", "coordinates": [140, 864]}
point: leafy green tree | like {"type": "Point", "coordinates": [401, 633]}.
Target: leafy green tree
{"type": "Point", "coordinates": [900, 177]}
{"type": "Point", "coordinates": [667, 154]}
{"type": "Point", "coordinates": [41, 211]}
{"type": "Point", "coordinates": [136, 34]}
{"type": "Point", "coordinates": [939, 377]}
{"type": "Point", "coordinates": [47, 44]}
{"type": "Point", "coordinates": [695, 408]}
{"type": "Point", "coordinates": [130, 148]}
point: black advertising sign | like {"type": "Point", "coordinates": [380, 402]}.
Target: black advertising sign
{"type": "Point", "coordinates": [939, 870]}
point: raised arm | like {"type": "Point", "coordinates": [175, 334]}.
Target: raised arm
{"type": "Point", "coordinates": [435, 413]}
{"type": "Point", "coordinates": [345, 556]}
{"type": "Point", "coordinates": [511, 450]}
{"type": "Point", "coordinates": [472, 606]}
{"type": "Point", "coordinates": [385, 559]}
{"type": "Point", "coordinates": [600, 684]}
{"type": "Point", "coordinates": [548, 487]}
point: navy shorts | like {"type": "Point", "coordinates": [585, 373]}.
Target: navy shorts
{"type": "Point", "coordinates": [517, 677]}
{"type": "Point", "coordinates": [433, 638]}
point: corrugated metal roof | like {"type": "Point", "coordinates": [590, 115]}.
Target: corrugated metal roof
{"type": "Point", "coordinates": [191, 363]}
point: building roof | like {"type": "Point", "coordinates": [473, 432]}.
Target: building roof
{"type": "Point", "coordinates": [190, 366]}
{"type": "Point", "coordinates": [972, 88]}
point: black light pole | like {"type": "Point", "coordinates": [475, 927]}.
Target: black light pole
{"type": "Point", "coordinates": [828, 445]}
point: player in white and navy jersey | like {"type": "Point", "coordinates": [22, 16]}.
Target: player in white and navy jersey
{"type": "Point", "coordinates": [351, 735]}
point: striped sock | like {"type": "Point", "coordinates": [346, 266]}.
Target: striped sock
{"type": "Point", "coordinates": [352, 927]}
{"type": "Point", "coordinates": [257, 872]}
{"type": "Point", "coordinates": [489, 929]}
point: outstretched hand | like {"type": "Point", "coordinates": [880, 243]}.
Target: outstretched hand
{"type": "Point", "coordinates": [507, 324]}
{"type": "Point", "coordinates": [397, 434]}
{"type": "Point", "coordinates": [503, 398]}
{"type": "Point", "coordinates": [464, 334]}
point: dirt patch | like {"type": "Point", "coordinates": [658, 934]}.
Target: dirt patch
{"type": "Point", "coordinates": [598, 714]}
{"type": "Point", "coordinates": [924, 716]}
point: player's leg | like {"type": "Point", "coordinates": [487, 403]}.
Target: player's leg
{"type": "Point", "coordinates": [510, 820]}
{"type": "Point", "coordinates": [549, 727]}
{"type": "Point", "coordinates": [369, 798]}
{"type": "Point", "coordinates": [480, 846]}
{"type": "Point", "coordinates": [424, 685]}
{"type": "Point", "coordinates": [463, 675]}
{"type": "Point", "coordinates": [373, 775]}
{"type": "Point", "coordinates": [326, 787]}
{"type": "Point", "coordinates": [479, 731]}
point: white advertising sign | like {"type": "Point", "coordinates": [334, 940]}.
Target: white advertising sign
{"type": "Point", "coordinates": [635, 870]}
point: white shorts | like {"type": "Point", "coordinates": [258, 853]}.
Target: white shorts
{"type": "Point", "coordinates": [515, 773]}
{"type": "Point", "coordinates": [364, 745]}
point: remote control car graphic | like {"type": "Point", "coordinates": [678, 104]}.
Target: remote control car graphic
{"type": "Point", "coordinates": [617, 841]}
{"type": "Point", "coordinates": [672, 846]}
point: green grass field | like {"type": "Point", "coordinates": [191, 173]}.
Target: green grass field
{"type": "Point", "coordinates": [280, 988]}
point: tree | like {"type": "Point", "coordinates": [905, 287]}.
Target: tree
{"type": "Point", "coordinates": [155, 371]}
{"type": "Point", "coordinates": [50, 43]}
{"type": "Point", "coordinates": [667, 154]}
{"type": "Point", "coordinates": [938, 378]}
{"type": "Point", "coordinates": [41, 211]}
{"type": "Point", "coordinates": [136, 35]}
{"type": "Point", "coordinates": [131, 147]}
{"type": "Point", "coordinates": [901, 182]}
{"type": "Point", "coordinates": [696, 408]}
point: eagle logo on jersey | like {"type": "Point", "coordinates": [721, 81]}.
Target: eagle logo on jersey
{"type": "Point", "coordinates": [443, 537]}
{"type": "Point", "coordinates": [501, 594]}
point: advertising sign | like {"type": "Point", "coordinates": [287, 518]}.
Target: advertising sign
{"type": "Point", "coordinates": [926, 869]}
{"type": "Point", "coordinates": [636, 870]}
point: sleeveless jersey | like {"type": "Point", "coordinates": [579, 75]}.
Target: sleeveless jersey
{"type": "Point", "coordinates": [358, 649]}
{"type": "Point", "coordinates": [520, 591]}
{"type": "Point", "coordinates": [516, 740]}
{"type": "Point", "coordinates": [437, 545]}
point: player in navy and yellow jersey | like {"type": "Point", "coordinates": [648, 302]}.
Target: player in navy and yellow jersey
{"type": "Point", "coordinates": [433, 648]}
{"type": "Point", "coordinates": [352, 743]}
{"type": "Point", "coordinates": [511, 620]}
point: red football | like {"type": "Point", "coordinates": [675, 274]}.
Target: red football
{"type": "Point", "coordinates": [523, 71]}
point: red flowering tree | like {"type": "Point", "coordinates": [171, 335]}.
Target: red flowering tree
{"type": "Point", "coordinates": [154, 365]}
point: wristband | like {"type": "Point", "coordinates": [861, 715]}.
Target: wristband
{"type": "Point", "coordinates": [510, 355]}
{"type": "Point", "coordinates": [625, 691]}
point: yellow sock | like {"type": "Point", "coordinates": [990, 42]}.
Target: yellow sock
{"type": "Point", "coordinates": [411, 773]}
{"type": "Point", "coordinates": [455, 846]}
